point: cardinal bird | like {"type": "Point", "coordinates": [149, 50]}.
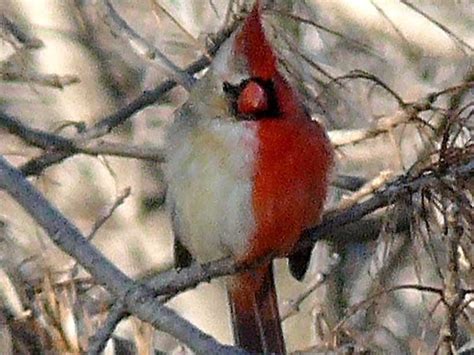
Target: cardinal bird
{"type": "Point", "coordinates": [248, 171]}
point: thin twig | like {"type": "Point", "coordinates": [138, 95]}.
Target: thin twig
{"type": "Point", "coordinates": [107, 124]}
{"type": "Point", "coordinates": [101, 147]}
{"type": "Point", "coordinates": [391, 23]}
{"type": "Point", "coordinates": [100, 222]}
{"type": "Point", "coordinates": [366, 48]}
{"type": "Point", "coordinates": [61, 145]}
{"type": "Point", "coordinates": [293, 306]}
{"type": "Point", "coordinates": [139, 299]}
{"type": "Point", "coordinates": [22, 37]}
{"type": "Point", "coordinates": [105, 217]}
{"type": "Point", "coordinates": [364, 303]}
{"type": "Point", "coordinates": [99, 340]}
{"type": "Point", "coordinates": [145, 49]}
{"type": "Point", "coordinates": [438, 24]}
{"type": "Point", "coordinates": [49, 80]}
{"type": "Point", "coordinates": [360, 74]}
{"type": "Point", "coordinates": [367, 189]}
{"type": "Point", "coordinates": [173, 19]}
{"type": "Point", "coordinates": [408, 112]}
{"type": "Point", "coordinates": [34, 137]}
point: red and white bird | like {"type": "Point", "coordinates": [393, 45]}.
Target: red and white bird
{"type": "Point", "coordinates": [247, 172]}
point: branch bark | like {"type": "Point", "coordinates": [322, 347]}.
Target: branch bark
{"type": "Point", "coordinates": [142, 47]}
{"type": "Point", "coordinates": [139, 299]}
{"type": "Point", "coordinates": [338, 227]}
{"type": "Point", "coordinates": [108, 123]}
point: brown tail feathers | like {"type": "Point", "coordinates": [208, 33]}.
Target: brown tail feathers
{"type": "Point", "coordinates": [254, 310]}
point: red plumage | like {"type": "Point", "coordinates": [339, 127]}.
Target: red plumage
{"type": "Point", "coordinates": [247, 172]}
{"type": "Point", "coordinates": [290, 184]}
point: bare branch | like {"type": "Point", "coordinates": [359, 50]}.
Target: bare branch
{"type": "Point", "coordinates": [49, 80]}
{"type": "Point", "coordinates": [35, 137]}
{"type": "Point", "coordinates": [10, 27]}
{"type": "Point", "coordinates": [104, 126]}
{"type": "Point", "coordinates": [61, 145]}
{"type": "Point", "coordinates": [143, 48]}
{"type": "Point", "coordinates": [358, 306]}
{"type": "Point", "coordinates": [98, 342]}
{"type": "Point", "coordinates": [100, 222]}
{"type": "Point", "coordinates": [390, 22]}
{"type": "Point", "coordinates": [366, 48]}
{"type": "Point", "coordinates": [174, 281]}
{"type": "Point", "coordinates": [105, 217]}
{"type": "Point", "coordinates": [388, 195]}
{"type": "Point", "coordinates": [292, 307]}
{"type": "Point", "coordinates": [407, 113]}
{"type": "Point", "coordinates": [450, 33]}
{"type": "Point", "coordinates": [139, 299]}
{"type": "Point", "coordinates": [453, 295]}
{"type": "Point", "coordinates": [157, 6]}
{"type": "Point", "coordinates": [367, 189]}
{"type": "Point", "coordinates": [101, 147]}
{"type": "Point", "coordinates": [360, 74]}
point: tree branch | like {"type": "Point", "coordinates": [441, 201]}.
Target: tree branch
{"type": "Point", "coordinates": [139, 299]}
{"type": "Point", "coordinates": [98, 342]}
{"type": "Point", "coordinates": [10, 27]}
{"type": "Point", "coordinates": [60, 145]}
{"type": "Point", "coordinates": [386, 196]}
{"type": "Point", "coordinates": [332, 228]}
{"type": "Point", "coordinates": [445, 29]}
{"type": "Point", "coordinates": [142, 47]}
{"type": "Point", "coordinates": [50, 80]}
{"type": "Point", "coordinates": [108, 123]}
{"type": "Point", "coordinates": [34, 137]}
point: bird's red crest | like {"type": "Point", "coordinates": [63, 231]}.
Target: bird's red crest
{"type": "Point", "coordinates": [253, 43]}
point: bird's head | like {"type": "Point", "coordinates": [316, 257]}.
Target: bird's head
{"type": "Point", "coordinates": [244, 81]}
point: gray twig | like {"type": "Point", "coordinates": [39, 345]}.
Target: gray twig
{"type": "Point", "coordinates": [445, 29]}
{"type": "Point", "coordinates": [145, 49]}
{"type": "Point", "coordinates": [101, 220]}
{"type": "Point", "coordinates": [98, 342]}
{"type": "Point", "coordinates": [61, 145]}
{"type": "Point", "coordinates": [382, 198]}
{"type": "Point", "coordinates": [174, 281]}
{"type": "Point", "coordinates": [22, 37]}
{"type": "Point", "coordinates": [139, 299]}
{"type": "Point", "coordinates": [49, 80]}
{"type": "Point", "coordinates": [105, 217]}
{"type": "Point", "coordinates": [108, 123]}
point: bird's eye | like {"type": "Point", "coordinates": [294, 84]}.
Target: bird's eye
{"type": "Point", "coordinates": [232, 91]}
{"type": "Point", "coordinates": [252, 99]}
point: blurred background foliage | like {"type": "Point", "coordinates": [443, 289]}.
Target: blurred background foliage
{"type": "Point", "coordinates": [74, 69]}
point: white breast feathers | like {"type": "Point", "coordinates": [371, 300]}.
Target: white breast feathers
{"type": "Point", "coordinates": [210, 173]}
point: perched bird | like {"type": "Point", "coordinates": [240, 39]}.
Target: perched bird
{"type": "Point", "coordinates": [247, 172]}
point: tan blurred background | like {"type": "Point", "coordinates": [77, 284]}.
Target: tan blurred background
{"type": "Point", "coordinates": [410, 53]}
